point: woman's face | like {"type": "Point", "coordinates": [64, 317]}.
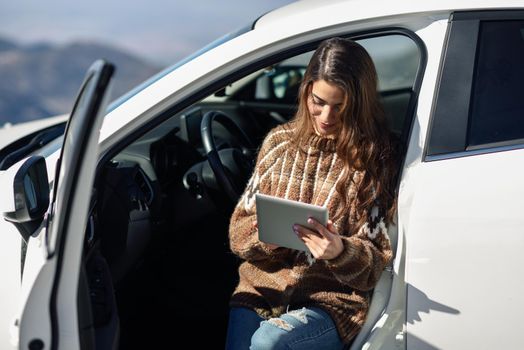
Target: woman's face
{"type": "Point", "coordinates": [325, 104]}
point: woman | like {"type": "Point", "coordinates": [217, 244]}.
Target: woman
{"type": "Point", "coordinates": [336, 152]}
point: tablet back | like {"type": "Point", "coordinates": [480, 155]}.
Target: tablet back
{"type": "Point", "coordinates": [276, 217]}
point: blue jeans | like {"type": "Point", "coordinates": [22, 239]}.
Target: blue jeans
{"type": "Point", "coordinates": [306, 328]}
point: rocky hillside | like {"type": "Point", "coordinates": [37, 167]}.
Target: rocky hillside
{"type": "Point", "coordinates": [42, 80]}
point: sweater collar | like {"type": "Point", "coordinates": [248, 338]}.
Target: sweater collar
{"type": "Point", "coordinates": [320, 143]}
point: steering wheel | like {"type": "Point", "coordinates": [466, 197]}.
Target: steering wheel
{"type": "Point", "coordinates": [230, 166]}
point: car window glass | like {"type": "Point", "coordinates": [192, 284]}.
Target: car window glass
{"type": "Point", "coordinates": [396, 59]}
{"type": "Point", "coordinates": [497, 101]}
{"type": "Point", "coordinates": [265, 98]}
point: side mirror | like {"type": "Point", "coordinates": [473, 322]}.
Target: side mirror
{"type": "Point", "coordinates": [30, 196]}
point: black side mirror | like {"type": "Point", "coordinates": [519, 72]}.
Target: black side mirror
{"type": "Point", "coordinates": [30, 196]}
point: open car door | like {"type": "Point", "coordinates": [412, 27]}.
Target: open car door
{"type": "Point", "coordinates": [57, 312]}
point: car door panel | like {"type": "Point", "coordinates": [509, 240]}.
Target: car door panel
{"type": "Point", "coordinates": [466, 230]}
{"type": "Point", "coordinates": [48, 319]}
{"type": "Point", "coordinates": [464, 223]}
{"type": "Point", "coordinates": [10, 287]}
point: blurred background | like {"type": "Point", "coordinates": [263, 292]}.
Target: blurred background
{"type": "Point", "coordinates": [46, 46]}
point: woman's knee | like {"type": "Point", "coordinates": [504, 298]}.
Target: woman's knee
{"type": "Point", "coordinates": [298, 329]}
{"type": "Point", "coordinates": [272, 334]}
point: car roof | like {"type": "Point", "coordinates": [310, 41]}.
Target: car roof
{"type": "Point", "coordinates": [332, 11]}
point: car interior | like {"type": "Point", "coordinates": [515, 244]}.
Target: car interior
{"type": "Point", "coordinates": [157, 264]}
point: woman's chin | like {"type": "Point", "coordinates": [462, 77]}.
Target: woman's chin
{"type": "Point", "coordinates": [329, 132]}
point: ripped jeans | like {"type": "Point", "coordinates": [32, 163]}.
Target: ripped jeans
{"type": "Point", "coordinates": [306, 328]}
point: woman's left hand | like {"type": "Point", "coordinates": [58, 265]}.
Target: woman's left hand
{"type": "Point", "coordinates": [323, 244]}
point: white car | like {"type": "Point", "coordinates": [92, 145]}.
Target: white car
{"type": "Point", "coordinates": [115, 236]}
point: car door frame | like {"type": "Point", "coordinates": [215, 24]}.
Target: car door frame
{"type": "Point", "coordinates": [118, 141]}
{"type": "Point", "coordinates": [444, 146]}
{"type": "Point", "coordinates": [48, 320]}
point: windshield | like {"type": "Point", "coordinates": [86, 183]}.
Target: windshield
{"type": "Point", "coordinates": [168, 70]}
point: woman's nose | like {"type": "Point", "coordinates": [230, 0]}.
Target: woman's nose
{"type": "Point", "coordinates": [328, 113]}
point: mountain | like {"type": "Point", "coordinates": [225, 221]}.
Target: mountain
{"type": "Point", "coordinates": [42, 79]}
{"type": "Point", "coordinates": [6, 45]}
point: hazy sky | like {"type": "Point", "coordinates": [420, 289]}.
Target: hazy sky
{"type": "Point", "coordinates": [162, 31]}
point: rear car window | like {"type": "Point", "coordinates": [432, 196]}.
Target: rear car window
{"type": "Point", "coordinates": [497, 104]}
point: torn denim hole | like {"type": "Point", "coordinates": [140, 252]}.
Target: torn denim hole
{"type": "Point", "coordinates": [299, 315]}
{"type": "Point", "coordinates": [280, 323]}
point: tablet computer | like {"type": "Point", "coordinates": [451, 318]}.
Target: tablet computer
{"type": "Point", "coordinates": [276, 217]}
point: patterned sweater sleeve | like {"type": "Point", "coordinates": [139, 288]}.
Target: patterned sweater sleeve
{"type": "Point", "coordinates": [364, 257]}
{"type": "Point", "coordinates": [243, 236]}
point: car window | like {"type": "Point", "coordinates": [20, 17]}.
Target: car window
{"type": "Point", "coordinates": [276, 83]}
{"type": "Point", "coordinates": [280, 83]}
{"type": "Point", "coordinates": [269, 95]}
{"type": "Point", "coordinates": [396, 59]}
{"type": "Point", "coordinates": [497, 106]}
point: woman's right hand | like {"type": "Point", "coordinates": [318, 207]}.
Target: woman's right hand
{"type": "Point", "coordinates": [268, 245]}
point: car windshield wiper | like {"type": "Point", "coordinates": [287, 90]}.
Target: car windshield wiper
{"type": "Point", "coordinates": [20, 149]}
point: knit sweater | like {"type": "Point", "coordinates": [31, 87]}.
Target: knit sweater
{"type": "Point", "coordinates": [270, 281]}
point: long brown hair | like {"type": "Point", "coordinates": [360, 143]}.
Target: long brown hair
{"type": "Point", "coordinates": [364, 142]}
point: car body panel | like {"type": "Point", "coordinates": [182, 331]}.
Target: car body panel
{"type": "Point", "coordinates": [314, 14]}
{"type": "Point", "coordinates": [464, 227]}
{"type": "Point", "coordinates": [10, 287]}
{"type": "Point", "coordinates": [464, 247]}
{"type": "Point", "coordinates": [13, 286]}
{"type": "Point", "coordinates": [11, 133]}
{"type": "Point", "coordinates": [55, 252]}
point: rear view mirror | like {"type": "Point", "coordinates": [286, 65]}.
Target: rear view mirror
{"type": "Point", "coordinates": [30, 196]}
